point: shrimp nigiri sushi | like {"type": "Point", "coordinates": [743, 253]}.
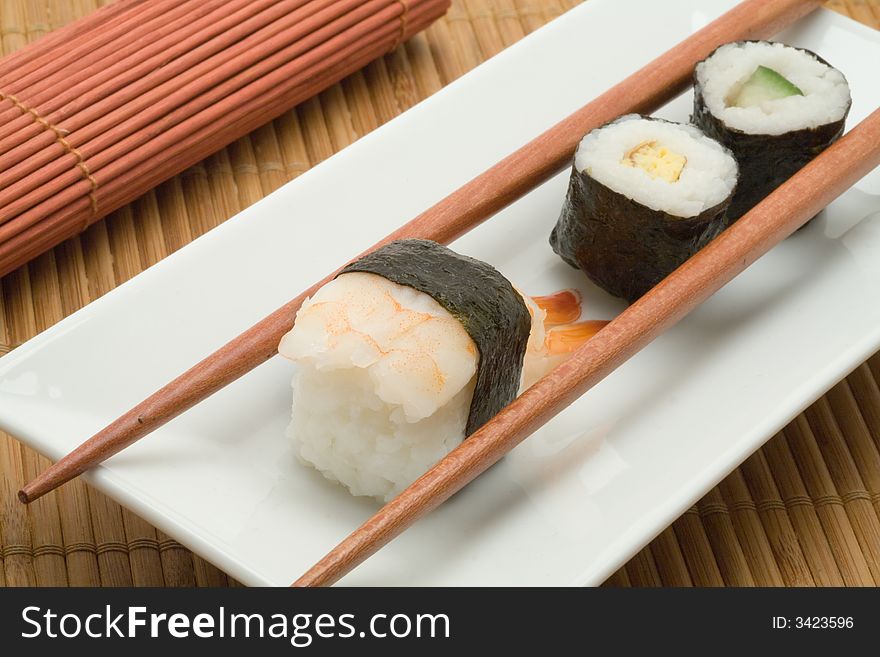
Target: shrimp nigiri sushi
{"type": "Point", "coordinates": [406, 353]}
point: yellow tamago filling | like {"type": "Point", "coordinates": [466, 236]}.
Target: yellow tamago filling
{"type": "Point", "coordinates": [656, 161]}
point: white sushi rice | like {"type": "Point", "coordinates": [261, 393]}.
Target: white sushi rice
{"type": "Point", "coordinates": [344, 429]}
{"type": "Point", "coordinates": [708, 177]}
{"type": "Point", "coordinates": [826, 92]}
{"type": "Point", "coordinates": [383, 383]}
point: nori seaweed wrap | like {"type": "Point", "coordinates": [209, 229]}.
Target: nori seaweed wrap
{"type": "Point", "coordinates": [479, 297]}
{"type": "Point", "coordinates": [644, 195]}
{"type": "Point", "coordinates": [774, 106]}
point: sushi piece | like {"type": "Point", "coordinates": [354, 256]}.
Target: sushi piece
{"type": "Point", "coordinates": [774, 106]}
{"type": "Point", "coordinates": [406, 353]}
{"type": "Point", "coordinates": [644, 195]}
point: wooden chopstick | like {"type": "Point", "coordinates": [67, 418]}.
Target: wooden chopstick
{"type": "Point", "coordinates": [775, 218]}
{"type": "Point", "coordinates": [644, 91]}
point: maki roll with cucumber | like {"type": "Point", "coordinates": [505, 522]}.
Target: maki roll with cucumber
{"type": "Point", "coordinates": [774, 106]}
{"type": "Point", "coordinates": [644, 195]}
{"type": "Point", "coordinates": [407, 352]}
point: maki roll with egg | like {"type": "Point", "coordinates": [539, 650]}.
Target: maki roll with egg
{"type": "Point", "coordinates": [407, 352]}
{"type": "Point", "coordinates": [774, 106]}
{"type": "Point", "coordinates": [643, 196]}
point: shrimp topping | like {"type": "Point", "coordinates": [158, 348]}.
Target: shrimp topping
{"type": "Point", "coordinates": [417, 354]}
{"type": "Point", "coordinates": [555, 333]}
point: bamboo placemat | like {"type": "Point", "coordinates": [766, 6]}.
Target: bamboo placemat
{"type": "Point", "coordinates": [804, 510]}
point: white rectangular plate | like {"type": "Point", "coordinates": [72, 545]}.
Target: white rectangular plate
{"type": "Point", "coordinates": [588, 490]}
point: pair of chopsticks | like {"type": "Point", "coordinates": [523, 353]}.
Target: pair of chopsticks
{"type": "Point", "coordinates": [661, 80]}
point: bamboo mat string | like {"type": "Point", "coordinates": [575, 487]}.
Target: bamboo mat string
{"type": "Point", "coordinates": [823, 496]}
{"type": "Point", "coordinates": [855, 500]}
{"type": "Point", "coordinates": [750, 531]}
{"type": "Point", "coordinates": [61, 138]}
{"type": "Point", "coordinates": [785, 544]}
{"type": "Point", "coordinates": [804, 510]}
{"type": "Point", "coordinates": [855, 430]}
{"type": "Point", "coordinates": [735, 568]}
{"type": "Point", "coordinates": [404, 15]}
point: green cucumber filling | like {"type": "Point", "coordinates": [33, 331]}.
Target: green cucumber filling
{"type": "Point", "coordinates": [763, 85]}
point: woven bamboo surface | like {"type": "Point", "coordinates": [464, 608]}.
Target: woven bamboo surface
{"type": "Point", "coordinates": [804, 510]}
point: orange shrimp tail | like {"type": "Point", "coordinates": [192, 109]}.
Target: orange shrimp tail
{"type": "Point", "coordinates": [566, 338]}
{"type": "Point", "coordinates": [562, 307]}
